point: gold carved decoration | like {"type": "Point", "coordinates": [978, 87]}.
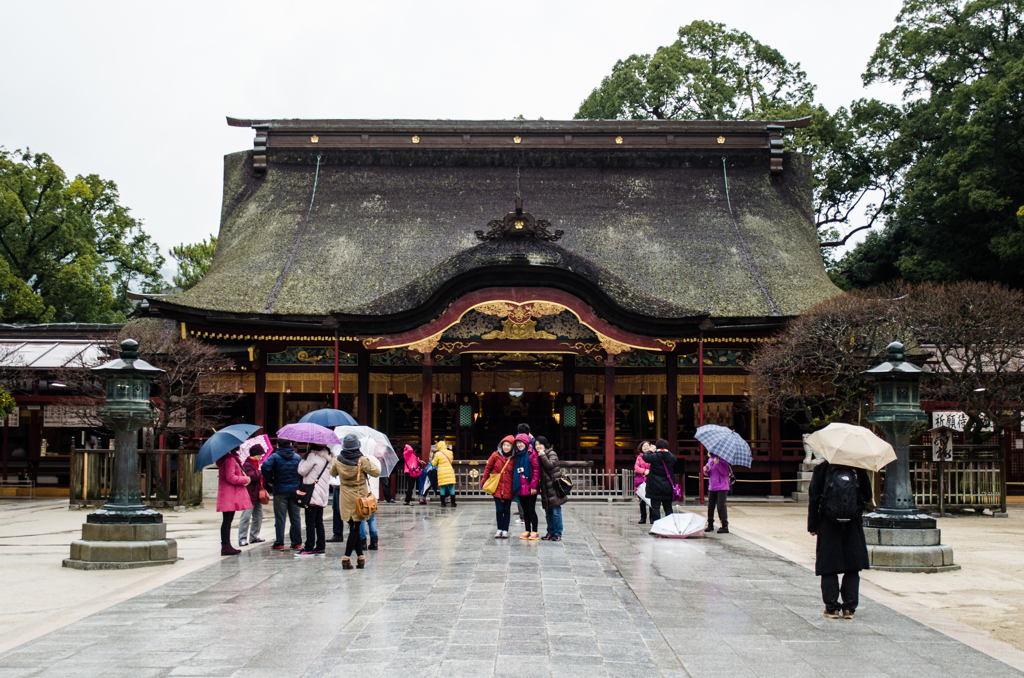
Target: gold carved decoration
{"type": "Point", "coordinates": [452, 346]}
{"type": "Point", "coordinates": [720, 140]}
{"type": "Point", "coordinates": [520, 313]}
{"type": "Point", "coordinates": [415, 140]}
{"type": "Point", "coordinates": [427, 345]}
{"type": "Point", "coordinates": [370, 341]}
{"type": "Point", "coordinates": [582, 346]}
{"type": "Point", "coordinates": [514, 330]}
{"type": "Point", "coordinates": [667, 342]}
{"type": "Point", "coordinates": [610, 346]}
{"type": "Point", "coordinates": [618, 140]}
{"type": "Point", "coordinates": [517, 140]}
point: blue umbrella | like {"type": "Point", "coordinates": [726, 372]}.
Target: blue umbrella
{"type": "Point", "coordinates": [222, 442]}
{"type": "Point", "coordinates": [725, 443]}
{"type": "Point", "coordinates": [329, 418]}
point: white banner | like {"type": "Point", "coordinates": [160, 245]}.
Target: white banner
{"type": "Point", "coordinates": [955, 420]}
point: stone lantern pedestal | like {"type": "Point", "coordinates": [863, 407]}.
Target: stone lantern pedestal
{"type": "Point", "coordinates": [901, 538]}
{"type": "Point", "coordinates": [125, 533]}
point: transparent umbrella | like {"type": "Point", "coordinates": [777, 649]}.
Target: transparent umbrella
{"type": "Point", "coordinates": [372, 443]}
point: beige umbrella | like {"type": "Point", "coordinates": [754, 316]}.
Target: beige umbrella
{"type": "Point", "coordinates": [851, 445]}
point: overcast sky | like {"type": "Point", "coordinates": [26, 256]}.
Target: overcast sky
{"type": "Point", "coordinates": [137, 92]}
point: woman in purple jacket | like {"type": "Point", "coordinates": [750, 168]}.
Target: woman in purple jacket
{"type": "Point", "coordinates": [718, 472]}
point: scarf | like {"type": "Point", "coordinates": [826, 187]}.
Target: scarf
{"type": "Point", "coordinates": [522, 462]}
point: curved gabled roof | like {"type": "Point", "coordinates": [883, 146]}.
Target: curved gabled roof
{"type": "Point", "coordinates": [665, 233]}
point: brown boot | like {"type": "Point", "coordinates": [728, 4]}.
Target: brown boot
{"type": "Point", "coordinates": [360, 562]}
{"type": "Point", "coordinates": [228, 550]}
{"type": "Point", "coordinates": [346, 564]}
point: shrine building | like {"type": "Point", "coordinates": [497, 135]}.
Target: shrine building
{"type": "Point", "coordinates": [603, 281]}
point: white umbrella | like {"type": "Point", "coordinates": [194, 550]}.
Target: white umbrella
{"type": "Point", "coordinates": [679, 525]}
{"type": "Point", "coordinates": [372, 443]}
{"type": "Point", "coordinates": [850, 445]}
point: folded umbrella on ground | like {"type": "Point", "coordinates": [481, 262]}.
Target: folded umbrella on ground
{"type": "Point", "coordinates": [308, 433]}
{"type": "Point", "coordinates": [222, 442]}
{"type": "Point", "coordinates": [850, 445]}
{"type": "Point", "coordinates": [329, 418]}
{"type": "Point", "coordinates": [726, 444]}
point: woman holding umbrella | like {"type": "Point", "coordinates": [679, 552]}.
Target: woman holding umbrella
{"type": "Point", "coordinates": [312, 471]}
{"type": "Point", "coordinates": [726, 449]}
{"type": "Point", "coordinates": [221, 449]}
{"type": "Point", "coordinates": [353, 468]}
{"type": "Point", "coordinates": [232, 496]}
{"type": "Point", "coordinates": [718, 472]}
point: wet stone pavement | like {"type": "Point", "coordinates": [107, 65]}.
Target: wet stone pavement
{"type": "Point", "coordinates": [443, 598]}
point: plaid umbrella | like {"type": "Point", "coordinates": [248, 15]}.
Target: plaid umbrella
{"type": "Point", "coordinates": [725, 443]}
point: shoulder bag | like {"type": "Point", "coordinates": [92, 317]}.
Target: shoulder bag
{"type": "Point", "coordinates": [562, 484]}
{"type": "Point", "coordinates": [304, 494]}
{"type": "Point", "coordinates": [490, 485]}
{"type": "Point", "coordinates": [677, 492]}
{"type": "Point", "coordinates": [264, 495]}
{"type": "Point", "coordinates": [365, 506]}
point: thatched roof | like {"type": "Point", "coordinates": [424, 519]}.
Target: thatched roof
{"type": "Point", "coordinates": [389, 226]}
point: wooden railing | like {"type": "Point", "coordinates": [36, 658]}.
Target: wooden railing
{"type": "Point", "coordinates": [975, 479]}
{"type": "Point", "coordinates": [166, 477]}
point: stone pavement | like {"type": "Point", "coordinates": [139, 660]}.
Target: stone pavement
{"type": "Point", "coordinates": [443, 598]}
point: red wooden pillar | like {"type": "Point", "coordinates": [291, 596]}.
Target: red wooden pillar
{"type": "Point", "coordinates": [363, 389]}
{"type": "Point", "coordinates": [7, 428]}
{"type": "Point", "coordinates": [672, 404]}
{"type": "Point", "coordinates": [428, 401]}
{"type": "Point", "coordinates": [700, 408]}
{"type": "Point", "coordinates": [260, 415]}
{"type": "Point", "coordinates": [335, 369]}
{"type": "Point", "coordinates": [609, 413]}
{"type": "Point", "coordinates": [775, 452]}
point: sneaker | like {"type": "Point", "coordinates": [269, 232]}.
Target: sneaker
{"type": "Point", "coordinates": [830, 614]}
{"type": "Point", "coordinates": [519, 521]}
{"type": "Point", "coordinates": [524, 535]}
{"type": "Point", "coordinates": [534, 536]}
{"type": "Point", "coordinates": [305, 554]}
{"type": "Point", "coordinates": [847, 614]}
{"type": "Point", "coordinates": [545, 537]}
{"type": "Point", "coordinates": [277, 547]}
{"type": "Point", "coordinates": [557, 537]}
{"type": "Point", "coordinates": [504, 534]}
{"type": "Point", "coordinates": [423, 502]}
{"type": "Point", "coordinates": [296, 547]}
{"type": "Point", "coordinates": [243, 543]}
{"type": "Point", "coordinates": [335, 540]}
{"type": "Point", "coordinates": [257, 540]}
{"type": "Point", "coordinates": [497, 535]}
{"type": "Point", "coordinates": [319, 553]}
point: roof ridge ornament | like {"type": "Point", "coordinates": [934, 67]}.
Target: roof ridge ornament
{"type": "Point", "coordinates": [519, 224]}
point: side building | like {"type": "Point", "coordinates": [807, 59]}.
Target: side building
{"type": "Point", "coordinates": [605, 282]}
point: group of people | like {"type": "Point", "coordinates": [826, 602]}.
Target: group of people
{"type": "Point", "coordinates": [298, 481]}
{"type": "Point", "coordinates": [652, 471]}
{"type": "Point", "coordinates": [440, 472]}
{"type": "Point", "coordinates": [527, 468]}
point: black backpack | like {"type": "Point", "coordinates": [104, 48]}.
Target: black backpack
{"type": "Point", "coordinates": [840, 502]}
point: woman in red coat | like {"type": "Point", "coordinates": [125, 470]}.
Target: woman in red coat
{"type": "Point", "coordinates": [501, 462]}
{"type": "Point", "coordinates": [232, 496]}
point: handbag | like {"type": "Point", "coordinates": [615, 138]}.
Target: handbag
{"type": "Point", "coordinates": [490, 486]}
{"type": "Point", "coordinates": [562, 484]}
{"type": "Point", "coordinates": [365, 506]}
{"type": "Point", "coordinates": [264, 495]}
{"type": "Point", "coordinates": [677, 492]}
{"type": "Point", "coordinates": [304, 494]}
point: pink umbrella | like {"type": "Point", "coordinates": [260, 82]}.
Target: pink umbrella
{"type": "Point", "coordinates": [309, 433]}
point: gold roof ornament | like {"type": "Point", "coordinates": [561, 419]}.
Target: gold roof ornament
{"type": "Point", "coordinates": [514, 330]}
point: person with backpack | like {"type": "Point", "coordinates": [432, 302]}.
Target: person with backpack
{"type": "Point", "coordinates": [659, 481]}
{"type": "Point", "coordinates": [718, 473]}
{"type": "Point", "coordinates": [838, 495]}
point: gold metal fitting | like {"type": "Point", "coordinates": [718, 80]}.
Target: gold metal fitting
{"type": "Point", "coordinates": [314, 138]}
{"type": "Point", "coordinates": [415, 140]}
{"type": "Point", "coordinates": [517, 140]}
{"type": "Point", "coordinates": [720, 140]}
{"type": "Point", "coordinates": [618, 140]}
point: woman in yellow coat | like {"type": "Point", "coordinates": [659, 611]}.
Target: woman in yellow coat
{"type": "Point", "coordinates": [352, 468]}
{"type": "Point", "coordinates": [445, 473]}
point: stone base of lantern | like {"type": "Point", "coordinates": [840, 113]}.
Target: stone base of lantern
{"type": "Point", "coordinates": [803, 482]}
{"type": "Point", "coordinates": [906, 544]}
{"type": "Point", "coordinates": [122, 546]}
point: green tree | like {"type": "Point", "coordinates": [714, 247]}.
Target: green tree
{"type": "Point", "coordinates": [193, 262]}
{"type": "Point", "coordinates": [961, 137]}
{"type": "Point", "coordinates": [713, 73]}
{"type": "Point", "coordinates": [68, 249]}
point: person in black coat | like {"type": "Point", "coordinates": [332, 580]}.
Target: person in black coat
{"type": "Point", "coordinates": [659, 483]}
{"type": "Point", "coordinates": [841, 547]}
